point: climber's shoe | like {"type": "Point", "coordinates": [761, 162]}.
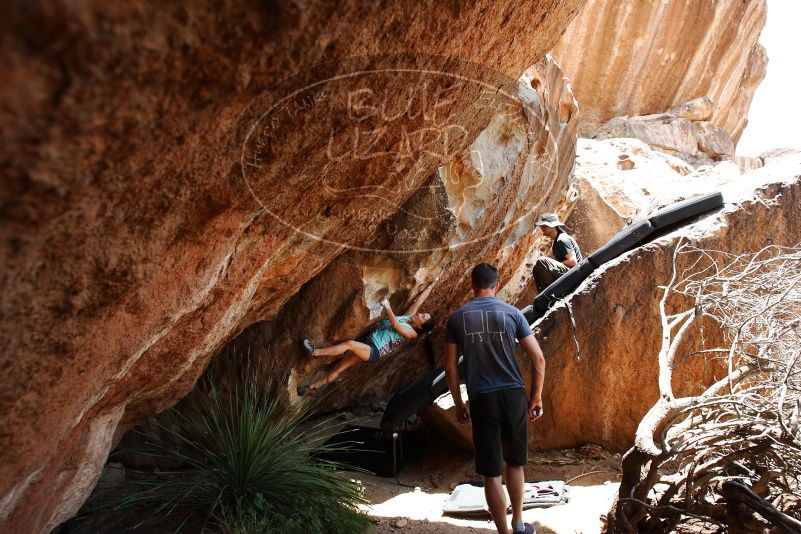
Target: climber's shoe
{"type": "Point", "coordinates": [306, 391]}
{"type": "Point", "coordinates": [528, 528]}
{"type": "Point", "coordinates": [307, 346]}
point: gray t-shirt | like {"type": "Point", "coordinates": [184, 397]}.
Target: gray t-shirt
{"type": "Point", "coordinates": [564, 244]}
{"type": "Point", "coordinates": [485, 330]}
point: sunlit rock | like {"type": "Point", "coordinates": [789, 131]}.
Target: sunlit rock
{"type": "Point", "coordinates": [634, 57]}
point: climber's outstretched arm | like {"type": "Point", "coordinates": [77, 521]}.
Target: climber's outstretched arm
{"type": "Point", "coordinates": [423, 296]}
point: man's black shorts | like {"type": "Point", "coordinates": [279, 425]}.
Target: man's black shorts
{"type": "Point", "coordinates": [500, 429]}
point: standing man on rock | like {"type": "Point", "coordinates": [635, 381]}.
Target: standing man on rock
{"type": "Point", "coordinates": [484, 331]}
{"type": "Point", "coordinates": [565, 251]}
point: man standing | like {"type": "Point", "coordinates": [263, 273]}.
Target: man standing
{"type": "Point", "coordinates": [484, 332]}
{"type": "Point", "coordinates": [565, 251]}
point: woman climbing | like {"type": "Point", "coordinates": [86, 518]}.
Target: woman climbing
{"type": "Point", "coordinates": [376, 345]}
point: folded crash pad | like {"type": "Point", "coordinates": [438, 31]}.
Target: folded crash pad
{"type": "Point", "coordinates": [468, 499]}
{"type": "Point", "coordinates": [368, 449]}
{"type": "Point", "coordinates": [531, 314]}
{"type": "Point", "coordinates": [687, 209]}
{"type": "Point", "coordinates": [625, 240]}
{"type": "Point", "coordinates": [413, 397]}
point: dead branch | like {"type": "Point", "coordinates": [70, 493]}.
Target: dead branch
{"type": "Point", "coordinates": [693, 455]}
{"type": "Point", "coordinates": [735, 492]}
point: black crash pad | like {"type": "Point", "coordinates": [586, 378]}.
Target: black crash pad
{"type": "Point", "coordinates": [530, 314]}
{"type": "Point", "coordinates": [624, 240]}
{"type": "Point", "coordinates": [687, 209]}
{"type": "Point", "coordinates": [366, 448]}
{"type": "Point", "coordinates": [413, 397]}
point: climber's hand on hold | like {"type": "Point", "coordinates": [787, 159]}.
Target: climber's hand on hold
{"type": "Point", "coordinates": [385, 304]}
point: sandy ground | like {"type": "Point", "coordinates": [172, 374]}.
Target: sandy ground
{"type": "Point", "coordinates": [418, 509]}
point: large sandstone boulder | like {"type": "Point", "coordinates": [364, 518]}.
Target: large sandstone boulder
{"type": "Point", "coordinates": [621, 180]}
{"type": "Point", "coordinates": [602, 374]}
{"type": "Point", "coordinates": [175, 173]}
{"type": "Point", "coordinates": [636, 57]}
{"type": "Point", "coordinates": [665, 132]}
{"type": "Point", "coordinates": [480, 206]}
{"type": "Point", "coordinates": [601, 382]}
{"type": "Point", "coordinates": [676, 132]}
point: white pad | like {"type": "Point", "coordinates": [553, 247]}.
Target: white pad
{"type": "Point", "coordinates": [467, 499]}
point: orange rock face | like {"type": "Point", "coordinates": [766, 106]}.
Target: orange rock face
{"type": "Point", "coordinates": [479, 206]}
{"type": "Point", "coordinates": [599, 393]}
{"type": "Point", "coordinates": [165, 185]}
{"type": "Point", "coordinates": [634, 57]}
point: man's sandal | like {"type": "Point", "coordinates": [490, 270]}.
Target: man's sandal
{"type": "Point", "coordinates": [306, 391]}
{"type": "Point", "coordinates": [307, 346]}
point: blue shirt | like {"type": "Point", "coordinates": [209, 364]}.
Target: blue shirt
{"type": "Point", "coordinates": [385, 338]}
{"type": "Point", "coordinates": [485, 330]}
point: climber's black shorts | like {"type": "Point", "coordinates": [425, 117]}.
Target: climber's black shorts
{"type": "Point", "coordinates": [374, 354]}
{"type": "Point", "coordinates": [500, 429]}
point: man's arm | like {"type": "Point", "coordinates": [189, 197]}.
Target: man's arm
{"type": "Point", "coordinates": [570, 259]}
{"type": "Point", "coordinates": [452, 376]}
{"type": "Point", "coordinates": [532, 348]}
{"type": "Point", "coordinates": [403, 329]}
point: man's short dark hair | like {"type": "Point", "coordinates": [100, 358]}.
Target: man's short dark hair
{"type": "Point", "coordinates": [484, 276]}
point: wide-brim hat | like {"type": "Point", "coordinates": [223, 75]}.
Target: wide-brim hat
{"type": "Point", "coordinates": [549, 219]}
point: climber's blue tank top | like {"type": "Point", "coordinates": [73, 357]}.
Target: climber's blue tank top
{"type": "Point", "coordinates": [385, 338]}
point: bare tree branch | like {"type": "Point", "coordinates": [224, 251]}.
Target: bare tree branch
{"type": "Point", "coordinates": [743, 430]}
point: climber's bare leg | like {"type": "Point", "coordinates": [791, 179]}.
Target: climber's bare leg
{"type": "Point", "coordinates": [344, 364]}
{"type": "Point", "coordinates": [360, 353]}
{"type": "Point", "coordinates": [340, 348]}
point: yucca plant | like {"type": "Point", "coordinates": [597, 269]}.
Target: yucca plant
{"type": "Point", "coordinates": [248, 466]}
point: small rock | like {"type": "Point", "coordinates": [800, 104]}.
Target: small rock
{"type": "Point", "coordinates": [402, 522]}
{"type": "Point", "coordinates": [746, 163]}
{"type": "Point", "coordinates": [663, 131]}
{"type": "Point", "coordinates": [625, 164]}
